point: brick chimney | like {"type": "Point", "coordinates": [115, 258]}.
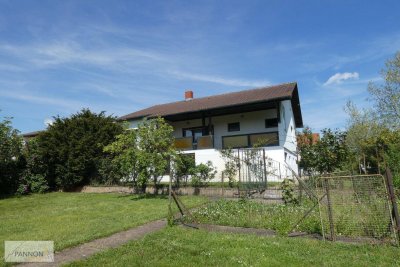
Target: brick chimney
{"type": "Point", "coordinates": [188, 95]}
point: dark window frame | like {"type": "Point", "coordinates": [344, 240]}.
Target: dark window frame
{"type": "Point", "coordinates": [248, 139]}
{"type": "Point", "coordinates": [235, 126]}
{"type": "Point", "coordinates": [271, 125]}
{"type": "Point", "coordinates": [203, 130]}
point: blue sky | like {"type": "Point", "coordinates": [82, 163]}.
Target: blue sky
{"type": "Point", "coordinates": [57, 57]}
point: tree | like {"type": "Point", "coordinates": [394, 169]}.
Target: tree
{"type": "Point", "coordinates": [33, 179]}
{"type": "Point", "coordinates": [71, 149]}
{"type": "Point", "coordinates": [203, 174]}
{"type": "Point", "coordinates": [387, 96]}
{"type": "Point", "coordinates": [363, 131]}
{"type": "Point", "coordinates": [183, 168]}
{"type": "Point", "coordinates": [12, 162]}
{"type": "Point", "coordinates": [144, 154]}
{"type": "Point", "coordinates": [328, 154]}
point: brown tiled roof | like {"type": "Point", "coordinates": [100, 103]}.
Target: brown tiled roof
{"type": "Point", "coordinates": [31, 134]}
{"type": "Point", "coordinates": [264, 94]}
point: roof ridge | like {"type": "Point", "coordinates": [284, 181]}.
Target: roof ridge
{"type": "Point", "coordinates": [227, 93]}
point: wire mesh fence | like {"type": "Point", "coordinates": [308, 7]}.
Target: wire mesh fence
{"type": "Point", "coordinates": [270, 195]}
{"type": "Point", "coordinates": [355, 208]}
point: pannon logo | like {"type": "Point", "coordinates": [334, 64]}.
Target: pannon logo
{"type": "Point", "coordinates": [29, 251]}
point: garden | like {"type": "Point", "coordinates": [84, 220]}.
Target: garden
{"type": "Point", "coordinates": [38, 176]}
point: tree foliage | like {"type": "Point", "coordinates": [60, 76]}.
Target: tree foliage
{"type": "Point", "coordinates": [71, 149]}
{"type": "Point", "coordinates": [203, 174]}
{"type": "Point", "coordinates": [183, 169]}
{"type": "Point", "coordinates": [374, 134]}
{"type": "Point", "coordinates": [12, 162]}
{"type": "Point", "coordinates": [144, 154]}
{"type": "Point", "coordinates": [386, 96]}
{"type": "Point", "coordinates": [327, 154]}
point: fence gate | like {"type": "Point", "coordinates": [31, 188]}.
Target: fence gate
{"type": "Point", "coordinates": [355, 208]}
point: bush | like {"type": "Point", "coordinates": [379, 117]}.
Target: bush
{"type": "Point", "coordinates": [33, 184]}
{"type": "Point", "coordinates": [12, 161]}
{"type": "Point", "coordinates": [288, 193]}
{"type": "Point", "coordinates": [184, 167]}
{"type": "Point", "coordinates": [203, 174]}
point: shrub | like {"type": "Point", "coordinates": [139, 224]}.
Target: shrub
{"type": "Point", "coordinates": [203, 174]}
{"type": "Point", "coordinates": [288, 193]}
{"type": "Point", "coordinates": [33, 184]}
{"type": "Point", "coordinates": [12, 161]}
{"type": "Point", "coordinates": [184, 167]}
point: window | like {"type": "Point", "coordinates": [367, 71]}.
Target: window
{"type": "Point", "coordinates": [250, 140]}
{"type": "Point", "coordinates": [264, 139]}
{"type": "Point", "coordinates": [234, 127]}
{"type": "Point", "coordinates": [236, 141]}
{"type": "Point", "coordinates": [270, 123]}
{"type": "Point", "coordinates": [195, 133]}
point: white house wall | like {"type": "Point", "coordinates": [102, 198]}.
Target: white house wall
{"type": "Point", "coordinates": [250, 122]}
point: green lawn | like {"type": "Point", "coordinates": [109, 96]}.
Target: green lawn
{"type": "Point", "coordinates": [188, 247]}
{"type": "Point", "coordinates": [73, 218]}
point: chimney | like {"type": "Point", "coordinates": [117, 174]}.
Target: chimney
{"type": "Point", "coordinates": [188, 95]}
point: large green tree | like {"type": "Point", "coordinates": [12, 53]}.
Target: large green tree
{"type": "Point", "coordinates": [71, 149]}
{"type": "Point", "coordinates": [12, 162]}
{"type": "Point", "coordinates": [374, 133]}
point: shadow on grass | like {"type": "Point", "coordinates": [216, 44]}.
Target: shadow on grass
{"type": "Point", "coordinates": [136, 197]}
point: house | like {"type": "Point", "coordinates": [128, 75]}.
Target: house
{"type": "Point", "coordinates": [238, 120]}
{"type": "Point", "coordinates": [29, 136]}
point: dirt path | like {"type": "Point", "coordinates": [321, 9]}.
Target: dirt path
{"type": "Point", "coordinates": [85, 250]}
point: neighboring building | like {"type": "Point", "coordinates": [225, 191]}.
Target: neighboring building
{"type": "Point", "coordinates": [303, 139]}
{"type": "Point", "coordinates": [29, 136]}
{"type": "Point", "coordinates": [239, 120]}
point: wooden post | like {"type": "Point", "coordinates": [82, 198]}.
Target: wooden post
{"type": "Point", "coordinates": [265, 169]}
{"type": "Point", "coordinates": [393, 200]}
{"type": "Point", "coordinates": [170, 215]}
{"type": "Point", "coordinates": [330, 212]}
{"type": "Point", "coordinates": [223, 184]}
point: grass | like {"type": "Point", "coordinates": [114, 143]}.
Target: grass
{"type": "Point", "coordinates": [73, 218]}
{"type": "Point", "coordinates": [246, 213]}
{"type": "Point", "coordinates": [177, 246]}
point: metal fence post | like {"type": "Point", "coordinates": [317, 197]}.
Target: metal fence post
{"type": "Point", "coordinates": [392, 197]}
{"type": "Point", "coordinates": [330, 212]}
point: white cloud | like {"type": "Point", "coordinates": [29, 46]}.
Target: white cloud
{"type": "Point", "coordinates": [220, 80]}
{"type": "Point", "coordinates": [48, 122]}
{"type": "Point", "coordinates": [340, 77]}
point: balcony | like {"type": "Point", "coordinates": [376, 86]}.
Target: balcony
{"type": "Point", "coordinates": [186, 143]}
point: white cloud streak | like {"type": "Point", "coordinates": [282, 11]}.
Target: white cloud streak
{"type": "Point", "coordinates": [340, 77]}
{"type": "Point", "coordinates": [26, 97]}
{"type": "Point", "coordinates": [48, 122]}
{"type": "Point", "coordinates": [219, 80]}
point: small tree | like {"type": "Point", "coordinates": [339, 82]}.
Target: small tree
{"type": "Point", "coordinates": [33, 178]}
{"type": "Point", "coordinates": [231, 165]}
{"type": "Point", "coordinates": [203, 174]}
{"type": "Point", "coordinates": [144, 154]}
{"type": "Point", "coordinates": [156, 147]}
{"type": "Point", "coordinates": [326, 155]}
{"type": "Point", "coordinates": [184, 167]}
{"type": "Point", "coordinates": [12, 162]}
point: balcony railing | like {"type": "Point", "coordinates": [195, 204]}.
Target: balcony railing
{"type": "Point", "coordinates": [186, 143]}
